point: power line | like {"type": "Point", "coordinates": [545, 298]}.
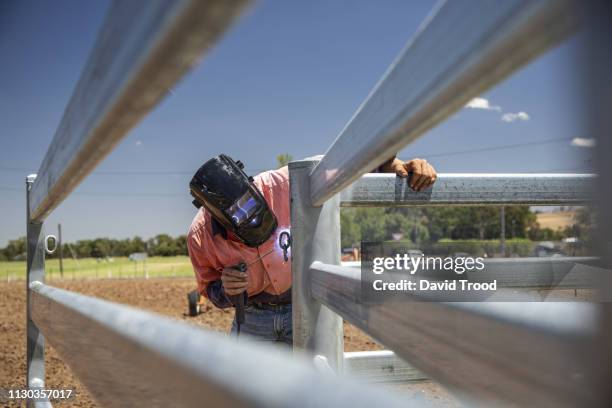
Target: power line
{"type": "Point", "coordinates": [172, 172]}
{"type": "Point", "coordinates": [583, 167]}
{"type": "Point", "coordinates": [501, 147]}
{"type": "Point", "coordinates": [129, 172]}
{"type": "Point", "coordinates": [255, 170]}
{"type": "Point", "coordinates": [108, 193]}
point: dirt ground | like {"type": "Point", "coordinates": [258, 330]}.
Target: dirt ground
{"type": "Point", "coordinates": [164, 296]}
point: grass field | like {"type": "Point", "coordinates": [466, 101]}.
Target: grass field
{"type": "Point", "coordinates": [104, 268]}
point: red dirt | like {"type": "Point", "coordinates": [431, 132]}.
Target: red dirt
{"type": "Point", "coordinates": [164, 296]}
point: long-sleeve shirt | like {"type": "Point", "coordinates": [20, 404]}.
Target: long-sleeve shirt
{"type": "Point", "coordinates": [210, 249]}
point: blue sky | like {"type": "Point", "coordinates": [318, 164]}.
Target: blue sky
{"type": "Point", "coordinates": [284, 79]}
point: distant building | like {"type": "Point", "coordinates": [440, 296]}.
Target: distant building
{"type": "Point", "coordinates": [138, 256]}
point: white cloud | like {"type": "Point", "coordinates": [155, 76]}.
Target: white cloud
{"type": "Point", "coordinates": [511, 117]}
{"type": "Point", "coordinates": [583, 142]}
{"type": "Point", "coordinates": [138, 142]}
{"type": "Point", "coordinates": [482, 103]}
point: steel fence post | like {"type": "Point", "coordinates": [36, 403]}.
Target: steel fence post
{"type": "Point", "coordinates": [315, 236]}
{"type": "Point", "coordinates": [35, 272]}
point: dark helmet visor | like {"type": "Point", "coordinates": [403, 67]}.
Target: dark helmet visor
{"type": "Point", "coordinates": [243, 209]}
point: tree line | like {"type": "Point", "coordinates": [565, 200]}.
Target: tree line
{"type": "Point", "coordinates": [160, 245]}
{"type": "Point", "coordinates": [422, 226]}
{"type": "Point", "coordinates": [428, 225]}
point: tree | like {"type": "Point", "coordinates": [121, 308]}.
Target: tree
{"type": "Point", "coordinates": [519, 220]}
{"type": "Point", "coordinates": [544, 234]}
{"type": "Point", "coordinates": [180, 244]}
{"type": "Point", "coordinates": [421, 225]}
{"type": "Point", "coordinates": [283, 159]}
{"type": "Point", "coordinates": [15, 249]}
{"type": "Point", "coordinates": [425, 225]}
{"type": "Point", "coordinates": [480, 222]}
{"type": "Point", "coordinates": [162, 245]}
{"type": "Point", "coordinates": [583, 226]}
{"type": "Point", "coordinates": [350, 233]}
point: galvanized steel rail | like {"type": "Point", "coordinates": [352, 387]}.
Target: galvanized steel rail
{"type": "Point", "coordinates": [583, 272]}
{"type": "Point", "coordinates": [497, 352]}
{"type": "Point", "coordinates": [463, 48]}
{"type": "Point", "coordinates": [128, 357]}
{"type": "Point", "coordinates": [476, 188]}
{"type": "Point", "coordinates": [142, 50]}
{"type": "Point", "coordinates": [380, 366]}
{"type": "Point", "coordinates": [472, 339]}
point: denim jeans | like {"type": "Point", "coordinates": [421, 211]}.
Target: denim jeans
{"type": "Point", "coordinates": [270, 324]}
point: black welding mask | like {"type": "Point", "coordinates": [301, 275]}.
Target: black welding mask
{"type": "Point", "coordinates": [223, 188]}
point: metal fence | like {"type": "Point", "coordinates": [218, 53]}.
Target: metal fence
{"type": "Point", "coordinates": [128, 357]}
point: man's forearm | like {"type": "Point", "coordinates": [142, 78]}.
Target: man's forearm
{"type": "Point", "coordinates": [386, 167]}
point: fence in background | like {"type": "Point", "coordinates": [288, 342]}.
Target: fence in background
{"type": "Point", "coordinates": [445, 339]}
{"type": "Point", "coordinates": [104, 268]}
{"type": "Point", "coordinates": [143, 359]}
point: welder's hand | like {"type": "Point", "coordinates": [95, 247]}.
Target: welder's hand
{"type": "Point", "coordinates": [423, 173]}
{"type": "Point", "coordinates": [234, 282]}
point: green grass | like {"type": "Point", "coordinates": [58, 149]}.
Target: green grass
{"type": "Point", "coordinates": [101, 268]}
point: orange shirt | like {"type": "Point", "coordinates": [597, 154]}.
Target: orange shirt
{"type": "Point", "coordinates": [210, 253]}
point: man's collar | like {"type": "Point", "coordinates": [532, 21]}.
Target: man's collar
{"type": "Point", "coordinates": [217, 228]}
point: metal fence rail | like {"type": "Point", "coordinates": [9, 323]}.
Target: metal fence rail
{"type": "Point", "coordinates": [465, 189]}
{"type": "Point", "coordinates": [379, 367]}
{"type": "Point", "coordinates": [128, 357]}
{"type": "Point", "coordinates": [542, 273]}
{"type": "Point", "coordinates": [143, 49]}
{"type": "Point", "coordinates": [463, 48]}
{"type": "Point", "coordinates": [535, 273]}
{"type": "Point", "coordinates": [470, 347]}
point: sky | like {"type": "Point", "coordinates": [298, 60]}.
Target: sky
{"type": "Point", "coordinates": [284, 79]}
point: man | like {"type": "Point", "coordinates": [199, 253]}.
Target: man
{"type": "Point", "coordinates": [240, 220]}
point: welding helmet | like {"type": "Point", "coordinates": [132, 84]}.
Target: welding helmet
{"type": "Point", "coordinates": [224, 189]}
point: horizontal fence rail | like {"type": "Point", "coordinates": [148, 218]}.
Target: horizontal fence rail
{"type": "Point", "coordinates": [128, 357]}
{"type": "Point", "coordinates": [388, 190]}
{"type": "Point", "coordinates": [381, 366]}
{"type": "Point", "coordinates": [463, 49]}
{"type": "Point", "coordinates": [523, 353]}
{"type": "Point", "coordinates": [535, 273]}
{"type": "Point", "coordinates": [541, 273]}
{"type": "Point", "coordinates": [144, 48]}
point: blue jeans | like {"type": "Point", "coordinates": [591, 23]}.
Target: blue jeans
{"type": "Point", "coordinates": [269, 323]}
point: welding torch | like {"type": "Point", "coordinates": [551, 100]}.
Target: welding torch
{"type": "Point", "coordinates": [239, 300]}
